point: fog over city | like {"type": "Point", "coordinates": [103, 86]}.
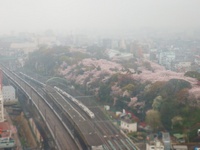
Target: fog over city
{"type": "Point", "coordinates": [98, 15]}
{"type": "Point", "coordinates": [100, 74]}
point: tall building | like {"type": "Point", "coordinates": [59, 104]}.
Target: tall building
{"type": "Point", "coordinates": [1, 99]}
{"type": "Point", "coordinates": [107, 43]}
{"type": "Point", "coordinates": [166, 58]}
{"type": "Point", "coordinates": [122, 44]}
{"type": "Point", "coordinates": [136, 49]}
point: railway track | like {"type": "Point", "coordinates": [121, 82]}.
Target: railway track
{"type": "Point", "coordinates": [109, 134]}
{"type": "Point", "coordinates": [61, 136]}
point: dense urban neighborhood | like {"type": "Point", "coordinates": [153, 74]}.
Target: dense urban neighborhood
{"type": "Point", "coordinates": [99, 75]}
{"type": "Point", "coordinates": [148, 88]}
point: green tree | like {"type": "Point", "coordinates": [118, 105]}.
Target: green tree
{"type": "Point", "coordinates": [104, 93]}
{"type": "Point", "coordinates": [125, 79]}
{"type": "Point", "coordinates": [150, 94]}
{"type": "Point", "coordinates": [147, 65]}
{"type": "Point", "coordinates": [153, 119]}
{"type": "Point", "coordinates": [173, 86]}
{"type": "Point", "coordinates": [177, 122]}
{"type": "Point", "coordinates": [129, 87]}
{"type": "Point", "coordinates": [168, 110]}
{"type": "Point", "coordinates": [121, 104]}
{"type": "Point", "coordinates": [182, 96]}
{"type": "Point", "coordinates": [157, 103]}
{"type": "Point", "coordinates": [193, 74]}
{"type": "Point", "coordinates": [97, 52]}
{"type": "Point", "coordinates": [45, 61]}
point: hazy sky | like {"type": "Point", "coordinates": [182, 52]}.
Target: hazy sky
{"type": "Point", "coordinates": [33, 15]}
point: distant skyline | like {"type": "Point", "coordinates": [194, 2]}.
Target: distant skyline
{"type": "Point", "coordinates": [98, 15]}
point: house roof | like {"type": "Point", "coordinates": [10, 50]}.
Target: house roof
{"type": "Point", "coordinates": [133, 116]}
{"type": "Point", "coordinates": [143, 124]}
{"type": "Point", "coordinates": [4, 127]}
{"type": "Point", "coordinates": [178, 135]}
{"type": "Point", "coordinates": [129, 121]}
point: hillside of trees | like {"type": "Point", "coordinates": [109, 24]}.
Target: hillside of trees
{"type": "Point", "coordinates": [168, 100]}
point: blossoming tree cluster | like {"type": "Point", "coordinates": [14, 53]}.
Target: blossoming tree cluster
{"type": "Point", "coordinates": [92, 72]}
{"type": "Point", "coordinates": [143, 87]}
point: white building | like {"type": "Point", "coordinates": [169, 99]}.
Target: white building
{"type": "Point", "coordinates": [8, 94]}
{"type": "Point", "coordinates": [181, 147]}
{"type": "Point", "coordinates": [128, 125]}
{"type": "Point", "coordinates": [166, 59]}
{"type": "Point", "coordinates": [146, 56]}
{"type": "Point", "coordinates": [25, 46]}
{"type": "Point", "coordinates": [122, 44]}
{"type": "Point", "coordinates": [1, 108]}
{"type": "Point", "coordinates": [197, 60]}
{"type": "Point", "coordinates": [183, 66]}
{"type": "Point", "coordinates": [114, 54]}
{"type": "Point", "coordinates": [106, 107]}
{"type": "Point", "coordinates": [154, 145]}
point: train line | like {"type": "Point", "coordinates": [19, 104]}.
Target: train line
{"type": "Point", "coordinates": [102, 125]}
{"type": "Point", "coordinates": [113, 139]}
{"type": "Point", "coordinates": [110, 135]}
{"type": "Point", "coordinates": [85, 129]}
{"type": "Point", "coordinates": [60, 134]}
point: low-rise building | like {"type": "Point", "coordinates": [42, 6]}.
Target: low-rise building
{"type": "Point", "coordinates": [26, 47]}
{"type": "Point", "coordinates": [117, 55]}
{"type": "Point", "coordinates": [180, 138]}
{"type": "Point", "coordinates": [166, 140]}
{"type": "Point", "coordinates": [128, 125]}
{"type": "Point", "coordinates": [9, 94]}
{"type": "Point", "coordinates": [160, 141]}
{"type": "Point", "coordinates": [197, 60]}
{"type": "Point", "coordinates": [106, 107]}
{"type": "Point", "coordinates": [180, 147]}
{"type": "Point", "coordinates": [154, 145]}
{"type": "Point", "coordinates": [183, 66]}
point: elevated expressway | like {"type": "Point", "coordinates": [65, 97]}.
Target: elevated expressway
{"type": "Point", "coordinates": [70, 126]}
